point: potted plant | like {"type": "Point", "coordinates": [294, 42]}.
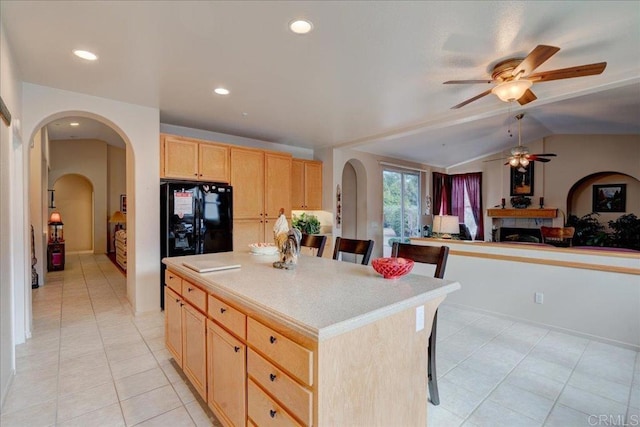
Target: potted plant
{"type": "Point", "coordinates": [308, 224]}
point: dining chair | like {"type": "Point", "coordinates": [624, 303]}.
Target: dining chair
{"type": "Point", "coordinates": [436, 255]}
{"type": "Point", "coordinates": [315, 241]}
{"type": "Point", "coordinates": [558, 236]}
{"type": "Point", "coordinates": [353, 246]}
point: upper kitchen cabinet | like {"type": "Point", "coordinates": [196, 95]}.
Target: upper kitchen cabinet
{"type": "Point", "coordinates": [193, 159]}
{"type": "Point", "coordinates": [306, 184]}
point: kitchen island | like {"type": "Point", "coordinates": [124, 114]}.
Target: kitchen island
{"type": "Point", "coordinates": [329, 343]}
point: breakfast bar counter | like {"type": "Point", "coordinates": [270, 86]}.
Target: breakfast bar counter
{"type": "Point", "coordinates": [328, 343]}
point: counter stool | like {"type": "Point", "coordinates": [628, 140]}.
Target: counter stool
{"type": "Point", "coordinates": [353, 246]}
{"type": "Point", "coordinates": [314, 241]}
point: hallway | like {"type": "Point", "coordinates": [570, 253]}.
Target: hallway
{"type": "Point", "coordinates": [91, 362]}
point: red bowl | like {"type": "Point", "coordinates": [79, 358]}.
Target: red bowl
{"type": "Point", "coordinates": [392, 268]}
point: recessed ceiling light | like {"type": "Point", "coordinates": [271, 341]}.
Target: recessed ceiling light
{"type": "Point", "coordinates": [300, 26]}
{"type": "Point", "coordinates": [74, 124]}
{"type": "Point", "coordinates": [221, 91]}
{"type": "Point", "coordinates": [85, 54]}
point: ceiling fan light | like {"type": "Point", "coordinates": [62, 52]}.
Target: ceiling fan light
{"type": "Point", "coordinates": [524, 161]}
{"type": "Point", "coordinates": [511, 90]}
{"type": "Point", "coordinates": [513, 161]}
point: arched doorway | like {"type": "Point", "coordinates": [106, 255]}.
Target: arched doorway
{"type": "Point", "coordinates": [354, 202]}
{"type": "Point", "coordinates": [74, 197]}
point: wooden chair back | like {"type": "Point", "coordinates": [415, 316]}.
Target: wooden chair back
{"type": "Point", "coordinates": [436, 255]}
{"type": "Point", "coordinates": [558, 236]}
{"type": "Point", "coordinates": [353, 246]}
{"type": "Point", "coordinates": [314, 241]}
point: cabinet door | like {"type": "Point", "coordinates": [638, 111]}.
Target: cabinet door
{"type": "Point", "coordinates": [194, 361]}
{"type": "Point", "coordinates": [247, 179]}
{"type": "Point", "coordinates": [313, 185]}
{"type": "Point", "coordinates": [248, 231]}
{"type": "Point", "coordinates": [213, 163]}
{"type": "Point", "coordinates": [180, 158]}
{"type": "Point", "coordinates": [297, 184]}
{"type": "Point", "coordinates": [227, 378]}
{"type": "Point", "coordinates": [277, 184]}
{"type": "Point", "coordinates": [173, 324]}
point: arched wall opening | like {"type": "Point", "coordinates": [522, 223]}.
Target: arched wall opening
{"type": "Point", "coordinates": [580, 196]}
{"type": "Point", "coordinates": [354, 201]}
{"type": "Point", "coordinates": [75, 203]}
{"type": "Point", "coordinates": [139, 127]}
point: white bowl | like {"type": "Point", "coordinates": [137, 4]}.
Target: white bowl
{"type": "Point", "coordinates": [263, 248]}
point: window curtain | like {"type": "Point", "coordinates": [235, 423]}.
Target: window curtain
{"type": "Point", "coordinates": [474, 191]}
{"type": "Point", "coordinates": [441, 194]}
{"type": "Point", "coordinates": [457, 196]}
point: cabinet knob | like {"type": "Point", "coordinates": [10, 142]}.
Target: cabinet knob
{"type": "Point", "coordinates": [222, 310]}
{"type": "Point", "coordinates": [177, 300]}
{"type": "Point", "coordinates": [272, 413]}
{"type": "Point", "coordinates": [170, 277]}
{"type": "Point", "coordinates": [189, 289]}
{"type": "Point", "coordinates": [195, 174]}
{"type": "Point", "coordinates": [272, 377]}
{"type": "Point", "coordinates": [181, 304]}
{"type": "Point", "coordinates": [272, 339]}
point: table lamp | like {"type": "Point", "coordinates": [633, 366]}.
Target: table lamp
{"type": "Point", "coordinates": [445, 226]}
{"type": "Point", "coordinates": [55, 228]}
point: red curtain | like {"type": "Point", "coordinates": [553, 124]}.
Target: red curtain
{"type": "Point", "coordinates": [448, 197]}
{"type": "Point", "coordinates": [441, 194]}
{"type": "Point", "coordinates": [474, 191]}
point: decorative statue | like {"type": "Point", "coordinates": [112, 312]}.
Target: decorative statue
{"type": "Point", "coordinates": [288, 243]}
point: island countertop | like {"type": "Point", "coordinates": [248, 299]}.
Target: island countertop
{"type": "Point", "coordinates": [321, 298]}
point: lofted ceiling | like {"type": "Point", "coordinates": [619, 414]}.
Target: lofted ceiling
{"type": "Point", "coordinates": [368, 77]}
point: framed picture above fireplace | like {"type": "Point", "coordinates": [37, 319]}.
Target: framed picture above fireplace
{"type": "Point", "coordinates": [609, 198]}
{"type": "Point", "coordinates": [522, 180]}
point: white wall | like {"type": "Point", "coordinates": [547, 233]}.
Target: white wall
{"type": "Point", "coordinates": [139, 128]}
{"type": "Point", "coordinates": [591, 302]}
{"type": "Point", "coordinates": [12, 180]}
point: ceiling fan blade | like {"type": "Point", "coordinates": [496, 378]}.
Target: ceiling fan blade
{"type": "Point", "coordinates": [545, 154]}
{"type": "Point", "coordinates": [535, 58]}
{"type": "Point", "coordinates": [466, 82]}
{"type": "Point", "coordinates": [540, 159]}
{"type": "Point", "coordinates": [568, 73]}
{"type": "Point", "coordinates": [527, 97]}
{"type": "Point", "coordinates": [462, 104]}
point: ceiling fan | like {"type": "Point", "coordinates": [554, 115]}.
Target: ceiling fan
{"type": "Point", "coordinates": [520, 155]}
{"type": "Point", "coordinates": [514, 76]}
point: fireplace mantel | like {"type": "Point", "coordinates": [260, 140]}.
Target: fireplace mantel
{"type": "Point", "coordinates": [523, 213]}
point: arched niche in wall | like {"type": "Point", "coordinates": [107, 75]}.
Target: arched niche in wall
{"type": "Point", "coordinates": [74, 201]}
{"type": "Point", "coordinates": [354, 200]}
{"type": "Point", "coordinates": [580, 196]}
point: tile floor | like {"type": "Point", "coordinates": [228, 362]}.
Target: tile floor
{"type": "Point", "coordinates": [91, 362]}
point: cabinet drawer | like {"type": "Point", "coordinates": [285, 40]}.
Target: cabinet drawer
{"type": "Point", "coordinates": [264, 411]}
{"type": "Point", "coordinates": [297, 399]}
{"type": "Point", "coordinates": [196, 296]}
{"type": "Point", "coordinates": [228, 317]}
{"type": "Point", "coordinates": [173, 281]}
{"type": "Point", "coordinates": [292, 357]}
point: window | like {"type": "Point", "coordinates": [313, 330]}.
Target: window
{"type": "Point", "coordinates": [401, 206]}
{"type": "Point", "coordinates": [460, 195]}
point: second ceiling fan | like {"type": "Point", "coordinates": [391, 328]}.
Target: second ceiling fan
{"type": "Point", "coordinates": [514, 76]}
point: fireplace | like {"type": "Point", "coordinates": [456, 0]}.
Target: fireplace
{"type": "Point", "coordinates": [515, 234]}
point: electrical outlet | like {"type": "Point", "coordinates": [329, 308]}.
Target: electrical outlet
{"type": "Point", "coordinates": [539, 298]}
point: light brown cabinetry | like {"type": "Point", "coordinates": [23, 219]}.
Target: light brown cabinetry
{"type": "Point", "coordinates": [227, 382]}
{"type": "Point", "coordinates": [185, 328]}
{"type": "Point", "coordinates": [261, 183]}
{"type": "Point", "coordinates": [193, 159]}
{"type": "Point", "coordinates": [306, 184]}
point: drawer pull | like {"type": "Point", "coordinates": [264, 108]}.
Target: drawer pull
{"type": "Point", "coordinates": [171, 277]}
{"type": "Point", "coordinates": [177, 300]}
{"type": "Point", "coordinates": [272, 413]}
{"type": "Point", "coordinates": [272, 339]}
{"type": "Point", "coordinates": [222, 310]}
{"type": "Point", "coordinates": [236, 349]}
{"type": "Point", "coordinates": [189, 289]}
{"type": "Point", "coordinates": [272, 377]}
{"type": "Point", "coordinates": [181, 304]}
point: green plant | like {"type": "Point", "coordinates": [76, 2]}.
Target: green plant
{"type": "Point", "coordinates": [589, 231]}
{"type": "Point", "coordinates": [308, 224]}
{"type": "Point", "coordinates": [626, 232]}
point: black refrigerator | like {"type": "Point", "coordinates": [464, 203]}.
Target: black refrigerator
{"type": "Point", "coordinates": [195, 218]}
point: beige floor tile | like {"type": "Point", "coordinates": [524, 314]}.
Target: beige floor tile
{"type": "Point", "coordinates": [40, 415]}
{"type": "Point", "coordinates": [123, 351]}
{"type": "Point", "coordinates": [128, 367]}
{"type": "Point", "coordinates": [109, 416]}
{"type": "Point", "coordinates": [178, 417]}
{"type": "Point", "coordinates": [185, 393]}
{"type": "Point", "coordinates": [148, 405]}
{"type": "Point", "coordinates": [30, 390]}
{"type": "Point", "coordinates": [76, 404]}
{"type": "Point", "coordinates": [77, 380]}
{"type": "Point", "coordinates": [202, 417]}
{"type": "Point", "coordinates": [140, 383]}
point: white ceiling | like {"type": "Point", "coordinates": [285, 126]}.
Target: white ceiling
{"type": "Point", "coordinates": [369, 76]}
